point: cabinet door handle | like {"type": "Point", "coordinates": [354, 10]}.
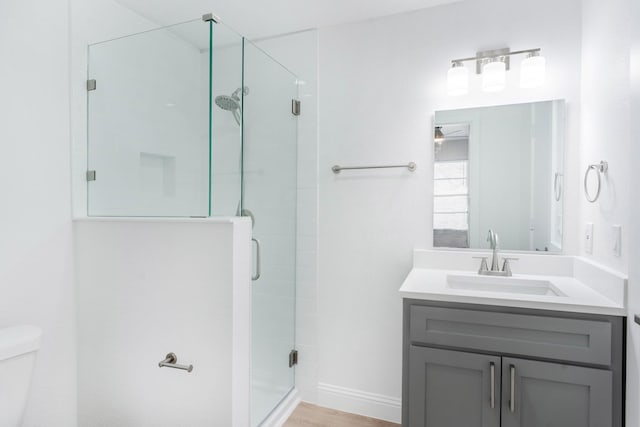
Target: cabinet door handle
{"type": "Point", "coordinates": [512, 400]}
{"type": "Point", "coordinates": [493, 384]}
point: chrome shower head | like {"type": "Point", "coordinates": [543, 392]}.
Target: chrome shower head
{"type": "Point", "coordinates": [229, 103]}
{"type": "Point", "coordinates": [232, 103]}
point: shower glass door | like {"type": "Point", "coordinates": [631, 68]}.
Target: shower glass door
{"type": "Point", "coordinates": [269, 195]}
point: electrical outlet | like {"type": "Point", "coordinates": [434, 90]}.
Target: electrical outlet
{"type": "Point", "coordinates": [616, 240]}
{"type": "Point", "coordinates": [588, 238]}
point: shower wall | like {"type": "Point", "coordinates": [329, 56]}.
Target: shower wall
{"type": "Point", "coordinates": [226, 150]}
{"type": "Point", "coordinates": [163, 280]}
{"type": "Point", "coordinates": [152, 154]}
{"type": "Point", "coordinates": [147, 288]}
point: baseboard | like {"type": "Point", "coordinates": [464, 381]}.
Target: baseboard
{"type": "Point", "coordinates": [360, 402]}
{"type": "Point", "coordinates": [284, 410]}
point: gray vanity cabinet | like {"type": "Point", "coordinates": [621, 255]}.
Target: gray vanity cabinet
{"type": "Point", "coordinates": [468, 365]}
{"type": "Point", "coordinates": [554, 395]}
{"type": "Point", "coordinates": [453, 388]}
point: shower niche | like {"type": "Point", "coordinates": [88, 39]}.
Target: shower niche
{"type": "Point", "coordinates": [194, 121]}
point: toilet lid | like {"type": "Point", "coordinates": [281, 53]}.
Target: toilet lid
{"type": "Point", "coordinates": [17, 340]}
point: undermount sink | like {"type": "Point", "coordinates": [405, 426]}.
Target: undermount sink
{"type": "Point", "coordinates": [513, 285]}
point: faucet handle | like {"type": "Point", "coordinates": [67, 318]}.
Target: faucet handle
{"type": "Point", "coordinates": [506, 266]}
{"type": "Point", "coordinates": [483, 264]}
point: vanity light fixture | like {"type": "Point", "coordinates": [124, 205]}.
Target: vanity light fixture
{"type": "Point", "coordinates": [457, 79]}
{"type": "Point", "coordinates": [493, 66]}
{"type": "Point", "coordinates": [494, 76]}
{"type": "Point", "coordinates": [532, 70]}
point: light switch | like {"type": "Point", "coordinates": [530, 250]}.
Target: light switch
{"type": "Point", "coordinates": [616, 240]}
{"type": "Point", "coordinates": [588, 238]}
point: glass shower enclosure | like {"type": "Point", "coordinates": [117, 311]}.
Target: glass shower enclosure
{"type": "Point", "coordinates": [193, 120]}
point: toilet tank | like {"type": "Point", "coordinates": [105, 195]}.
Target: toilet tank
{"type": "Point", "coordinates": [18, 347]}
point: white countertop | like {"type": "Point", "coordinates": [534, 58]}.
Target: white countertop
{"type": "Point", "coordinates": [584, 287]}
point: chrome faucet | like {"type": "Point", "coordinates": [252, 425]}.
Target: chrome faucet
{"type": "Point", "coordinates": [495, 270]}
{"type": "Point", "coordinates": [494, 244]}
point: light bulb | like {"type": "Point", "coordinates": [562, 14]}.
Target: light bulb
{"type": "Point", "coordinates": [494, 76]}
{"type": "Point", "coordinates": [457, 80]}
{"type": "Point", "coordinates": [532, 71]}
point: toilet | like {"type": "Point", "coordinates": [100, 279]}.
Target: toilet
{"type": "Point", "coordinates": [18, 347]}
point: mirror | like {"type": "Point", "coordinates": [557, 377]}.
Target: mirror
{"type": "Point", "coordinates": [499, 168]}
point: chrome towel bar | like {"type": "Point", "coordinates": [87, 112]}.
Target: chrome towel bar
{"type": "Point", "coordinates": [171, 360]}
{"type": "Point", "coordinates": [411, 166]}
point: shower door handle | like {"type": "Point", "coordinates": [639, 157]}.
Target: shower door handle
{"type": "Point", "coordinates": [257, 275]}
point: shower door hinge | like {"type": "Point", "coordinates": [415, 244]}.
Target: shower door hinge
{"type": "Point", "coordinates": [210, 17]}
{"type": "Point", "coordinates": [91, 175]}
{"type": "Point", "coordinates": [293, 358]}
{"type": "Point", "coordinates": [91, 84]}
{"type": "Point", "coordinates": [295, 107]}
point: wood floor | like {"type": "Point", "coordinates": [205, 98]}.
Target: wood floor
{"type": "Point", "coordinates": [307, 415]}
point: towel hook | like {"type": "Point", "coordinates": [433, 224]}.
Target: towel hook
{"type": "Point", "coordinates": [600, 168]}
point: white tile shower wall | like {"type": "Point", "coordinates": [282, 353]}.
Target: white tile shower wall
{"type": "Point", "coordinates": [299, 53]}
{"type": "Point", "coordinates": [380, 83]}
{"type": "Point", "coordinates": [633, 344]}
{"type": "Point", "coordinates": [605, 124]}
{"type": "Point", "coordinates": [226, 156]}
{"type": "Point", "coordinates": [147, 288]}
{"type": "Point", "coordinates": [36, 265]}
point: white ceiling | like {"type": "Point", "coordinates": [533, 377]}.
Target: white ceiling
{"type": "Point", "coordinates": [263, 18]}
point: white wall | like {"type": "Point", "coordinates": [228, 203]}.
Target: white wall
{"type": "Point", "coordinates": [633, 344]}
{"type": "Point", "coordinates": [146, 288]}
{"type": "Point", "coordinates": [605, 122]}
{"type": "Point", "coordinates": [36, 267]}
{"type": "Point", "coordinates": [380, 83]}
{"type": "Point", "coordinates": [609, 132]}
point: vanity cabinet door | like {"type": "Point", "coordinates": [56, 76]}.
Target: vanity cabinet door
{"type": "Point", "coordinates": [555, 395]}
{"type": "Point", "coordinates": [453, 389]}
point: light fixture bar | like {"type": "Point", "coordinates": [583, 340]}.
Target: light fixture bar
{"type": "Point", "coordinates": [493, 54]}
{"type": "Point", "coordinates": [493, 66]}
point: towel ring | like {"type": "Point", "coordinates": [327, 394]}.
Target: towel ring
{"type": "Point", "coordinates": [600, 169]}
{"type": "Point", "coordinates": [557, 187]}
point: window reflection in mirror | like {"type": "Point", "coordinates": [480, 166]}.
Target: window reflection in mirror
{"type": "Point", "coordinates": [451, 186]}
{"type": "Point", "coordinates": [499, 168]}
